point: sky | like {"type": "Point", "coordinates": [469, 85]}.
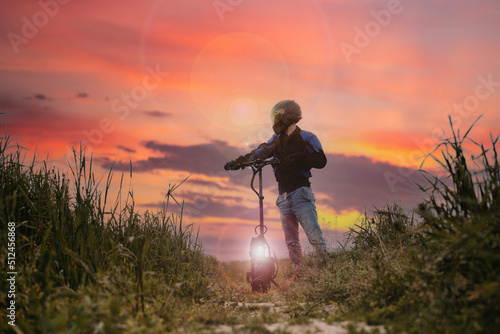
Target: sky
{"type": "Point", "coordinates": [178, 88]}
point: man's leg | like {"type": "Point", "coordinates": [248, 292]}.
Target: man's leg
{"type": "Point", "coordinates": [290, 227]}
{"type": "Point", "coordinates": [304, 208]}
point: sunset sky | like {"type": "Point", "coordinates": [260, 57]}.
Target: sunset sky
{"type": "Point", "coordinates": [178, 88]}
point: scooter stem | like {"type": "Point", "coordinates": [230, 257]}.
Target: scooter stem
{"type": "Point", "coordinates": [261, 204]}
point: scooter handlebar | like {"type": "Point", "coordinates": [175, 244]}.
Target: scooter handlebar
{"type": "Point", "coordinates": [258, 164]}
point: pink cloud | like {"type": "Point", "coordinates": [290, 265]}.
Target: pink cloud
{"type": "Point", "coordinates": [377, 107]}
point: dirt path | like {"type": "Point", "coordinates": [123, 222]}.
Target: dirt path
{"type": "Point", "coordinates": [315, 326]}
{"type": "Point", "coordinates": [286, 324]}
{"type": "Point", "coordinates": [294, 308]}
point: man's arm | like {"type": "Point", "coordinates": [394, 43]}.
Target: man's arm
{"type": "Point", "coordinates": [263, 151]}
{"type": "Point", "coordinates": [315, 160]}
{"type": "Point", "coordinates": [315, 156]}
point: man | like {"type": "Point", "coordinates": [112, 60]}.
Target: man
{"type": "Point", "coordinates": [297, 151]}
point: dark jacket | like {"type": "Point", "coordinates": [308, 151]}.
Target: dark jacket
{"type": "Point", "coordinates": [305, 150]}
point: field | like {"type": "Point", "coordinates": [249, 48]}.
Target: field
{"type": "Point", "coordinates": [88, 265]}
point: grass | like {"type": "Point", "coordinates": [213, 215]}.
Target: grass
{"type": "Point", "coordinates": [87, 265]}
{"type": "Point", "coordinates": [69, 241]}
{"type": "Point", "coordinates": [437, 271]}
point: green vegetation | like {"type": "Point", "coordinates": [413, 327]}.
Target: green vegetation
{"type": "Point", "coordinates": [440, 272]}
{"type": "Point", "coordinates": [82, 264]}
{"type": "Point", "coordinates": [86, 266]}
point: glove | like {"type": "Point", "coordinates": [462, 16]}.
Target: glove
{"type": "Point", "coordinates": [232, 165]}
{"type": "Point", "coordinates": [292, 158]}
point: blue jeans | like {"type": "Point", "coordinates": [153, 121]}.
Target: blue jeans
{"type": "Point", "coordinates": [297, 207]}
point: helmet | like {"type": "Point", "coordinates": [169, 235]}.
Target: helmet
{"type": "Point", "coordinates": [285, 113]}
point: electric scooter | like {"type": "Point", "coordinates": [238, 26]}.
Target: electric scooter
{"type": "Point", "coordinates": [263, 262]}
